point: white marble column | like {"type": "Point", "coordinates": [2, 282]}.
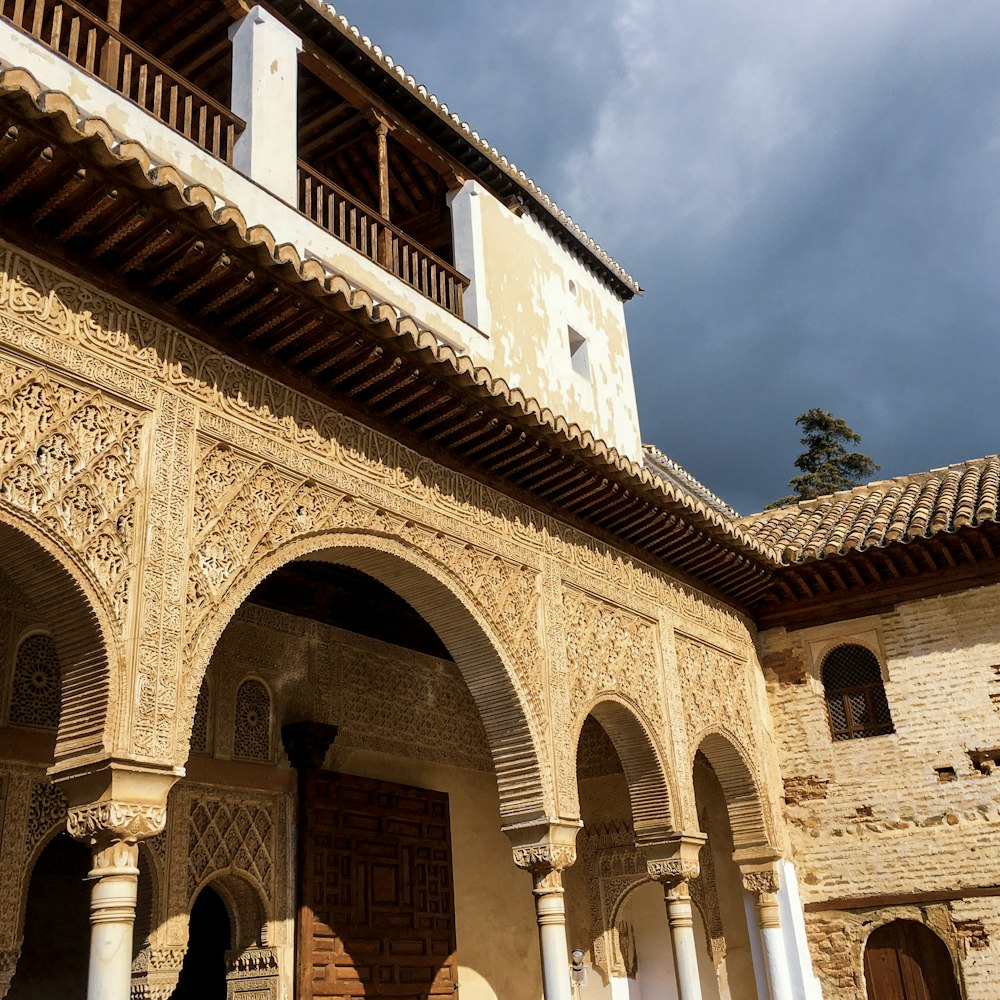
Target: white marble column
{"type": "Point", "coordinates": [763, 886]}
{"type": "Point", "coordinates": [681, 920]}
{"type": "Point", "coordinates": [113, 830]}
{"type": "Point", "coordinates": [115, 879]}
{"type": "Point", "coordinates": [673, 861]}
{"type": "Point", "coordinates": [265, 96]}
{"type": "Point", "coordinates": [546, 850]}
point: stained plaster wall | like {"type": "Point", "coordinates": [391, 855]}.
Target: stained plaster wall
{"type": "Point", "coordinates": [862, 813]}
{"type": "Point", "coordinates": [519, 312]}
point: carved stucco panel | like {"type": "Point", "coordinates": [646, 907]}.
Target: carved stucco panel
{"type": "Point", "coordinates": [69, 461]}
{"type": "Point", "coordinates": [611, 649]}
{"type": "Point", "coordinates": [714, 691]}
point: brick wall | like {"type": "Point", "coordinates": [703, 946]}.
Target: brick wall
{"type": "Point", "coordinates": [906, 817]}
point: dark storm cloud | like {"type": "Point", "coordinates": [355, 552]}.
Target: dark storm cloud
{"type": "Point", "coordinates": [808, 193]}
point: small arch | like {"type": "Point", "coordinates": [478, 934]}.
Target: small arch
{"type": "Point", "coordinates": [253, 722]}
{"type": "Point", "coordinates": [49, 579]}
{"type": "Point", "coordinates": [854, 690]}
{"type": "Point", "coordinates": [743, 800]}
{"type": "Point", "coordinates": [648, 785]}
{"type": "Point", "coordinates": [203, 971]}
{"type": "Point", "coordinates": [906, 960]}
{"type": "Point", "coordinates": [460, 623]}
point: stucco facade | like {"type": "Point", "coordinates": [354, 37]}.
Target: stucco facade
{"type": "Point", "coordinates": [296, 513]}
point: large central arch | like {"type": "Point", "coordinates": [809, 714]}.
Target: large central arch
{"type": "Point", "coordinates": [519, 760]}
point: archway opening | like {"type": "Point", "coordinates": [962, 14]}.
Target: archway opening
{"type": "Point", "coordinates": [718, 891]}
{"type": "Point", "coordinates": [210, 937]}
{"type": "Point", "coordinates": [55, 953]}
{"type": "Point", "coordinates": [400, 819]}
{"type": "Point", "coordinates": [906, 960]}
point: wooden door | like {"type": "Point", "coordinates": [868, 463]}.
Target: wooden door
{"type": "Point", "coordinates": [378, 914]}
{"type": "Point", "coordinates": [905, 960]}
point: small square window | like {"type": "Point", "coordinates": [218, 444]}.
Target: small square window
{"type": "Point", "coordinates": [578, 356]}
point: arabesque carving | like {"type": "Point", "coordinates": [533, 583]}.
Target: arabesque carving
{"type": "Point", "coordinates": [714, 686]}
{"type": "Point", "coordinates": [126, 822]}
{"type": "Point", "coordinates": [610, 649]}
{"type": "Point", "coordinates": [67, 459]}
{"type": "Point", "coordinates": [47, 809]}
{"type": "Point", "coordinates": [225, 832]}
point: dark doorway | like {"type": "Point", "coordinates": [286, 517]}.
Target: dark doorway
{"type": "Point", "coordinates": [905, 960]}
{"type": "Point", "coordinates": [203, 974]}
{"type": "Point", "coordinates": [56, 949]}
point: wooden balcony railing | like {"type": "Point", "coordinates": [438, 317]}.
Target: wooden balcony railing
{"type": "Point", "coordinates": [364, 229]}
{"type": "Point", "coordinates": [92, 44]}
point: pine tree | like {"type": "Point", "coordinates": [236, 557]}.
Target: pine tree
{"type": "Point", "coordinates": [826, 464]}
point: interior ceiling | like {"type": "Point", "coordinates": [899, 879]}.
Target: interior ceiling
{"type": "Point", "coordinates": [350, 600]}
{"type": "Point", "coordinates": [336, 136]}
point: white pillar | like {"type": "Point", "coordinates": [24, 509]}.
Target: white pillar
{"type": "Point", "coordinates": [265, 96]}
{"type": "Point", "coordinates": [681, 920]}
{"type": "Point", "coordinates": [773, 938]}
{"type": "Point", "coordinates": [115, 878]}
{"type": "Point", "coordinates": [550, 909]}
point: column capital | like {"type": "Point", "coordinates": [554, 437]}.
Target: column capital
{"type": "Point", "coordinates": [674, 859]}
{"type": "Point", "coordinates": [543, 848]}
{"type": "Point", "coordinates": [759, 870]}
{"type": "Point", "coordinates": [110, 821]}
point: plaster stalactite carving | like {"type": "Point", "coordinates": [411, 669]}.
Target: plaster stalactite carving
{"type": "Point", "coordinates": [615, 866]}
{"type": "Point", "coordinates": [124, 822]}
{"type": "Point", "coordinates": [67, 460]}
{"type": "Point", "coordinates": [608, 648]}
{"type": "Point", "coordinates": [227, 831]}
{"type": "Point", "coordinates": [46, 809]}
{"type": "Point", "coordinates": [705, 895]}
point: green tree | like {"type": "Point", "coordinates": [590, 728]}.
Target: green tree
{"type": "Point", "coordinates": [826, 464]}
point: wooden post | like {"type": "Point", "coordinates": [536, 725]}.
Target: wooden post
{"type": "Point", "coordinates": [382, 130]}
{"type": "Point", "coordinates": [111, 54]}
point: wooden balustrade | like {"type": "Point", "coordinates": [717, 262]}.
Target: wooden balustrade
{"type": "Point", "coordinates": [332, 208]}
{"type": "Point", "coordinates": [82, 38]}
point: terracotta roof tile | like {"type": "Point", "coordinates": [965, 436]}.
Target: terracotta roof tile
{"type": "Point", "coordinates": [872, 516]}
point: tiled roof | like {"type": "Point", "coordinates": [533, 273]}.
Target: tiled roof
{"type": "Point", "coordinates": [872, 516]}
{"type": "Point", "coordinates": [389, 66]}
{"type": "Point", "coordinates": [671, 471]}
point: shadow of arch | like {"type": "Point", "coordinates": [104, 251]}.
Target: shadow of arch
{"type": "Point", "coordinates": [80, 630]}
{"type": "Point", "coordinates": [245, 904]}
{"type": "Point", "coordinates": [460, 624]}
{"type": "Point", "coordinates": [647, 779]}
{"type": "Point", "coordinates": [743, 800]}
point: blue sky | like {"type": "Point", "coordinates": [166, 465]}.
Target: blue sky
{"type": "Point", "coordinates": [807, 192]}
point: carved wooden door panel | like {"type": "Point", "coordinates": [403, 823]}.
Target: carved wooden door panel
{"type": "Point", "coordinates": [378, 913]}
{"type": "Point", "coordinates": [905, 960]}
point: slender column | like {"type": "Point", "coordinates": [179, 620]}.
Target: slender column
{"type": "Point", "coordinates": [265, 96]}
{"type": "Point", "coordinates": [764, 885]}
{"type": "Point", "coordinates": [382, 138]}
{"type": "Point", "coordinates": [673, 862]}
{"type": "Point", "coordinates": [545, 852]}
{"type": "Point", "coordinates": [680, 917]}
{"type": "Point", "coordinates": [113, 830]}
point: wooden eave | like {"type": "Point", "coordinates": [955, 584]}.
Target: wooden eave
{"type": "Point", "coordinates": [876, 580]}
{"type": "Point", "coordinates": [346, 51]}
{"type": "Point", "coordinates": [75, 196]}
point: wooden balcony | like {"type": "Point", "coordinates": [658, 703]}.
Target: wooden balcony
{"type": "Point", "coordinates": [85, 40]}
{"type": "Point", "coordinates": [332, 208]}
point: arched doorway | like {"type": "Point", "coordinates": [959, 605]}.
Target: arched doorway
{"type": "Point", "coordinates": [905, 960]}
{"type": "Point", "coordinates": [56, 948]}
{"type": "Point", "coordinates": [399, 837]}
{"type": "Point", "coordinates": [203, 974]}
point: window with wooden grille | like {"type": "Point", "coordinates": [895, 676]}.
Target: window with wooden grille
{"type": "Point", "coordinates": [855, 695]}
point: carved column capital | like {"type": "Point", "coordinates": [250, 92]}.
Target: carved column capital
{"type": "Point", "coordinates": [123, 822]}
{"type": "Point", "coordinates": [759, 870]}
{"type": "Point", "coordinates": [674, 859]}
{"type": "Point", "coordinates": [546, 850]}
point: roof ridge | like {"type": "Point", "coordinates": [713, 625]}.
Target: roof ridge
{"type": "Point", "coordinates": [431, 100]}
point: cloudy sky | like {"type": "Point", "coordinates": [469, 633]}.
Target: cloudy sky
{"type": "Point", "coordinates": [808, 192]}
